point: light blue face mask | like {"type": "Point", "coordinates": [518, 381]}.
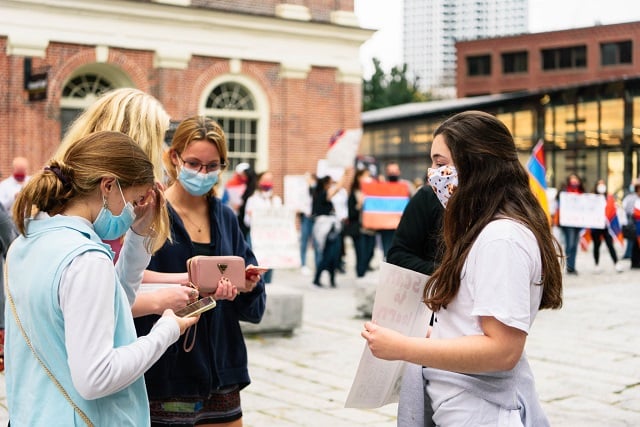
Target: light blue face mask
{"type": "Point", "coordinates": [109, 226]}
{"type": "Point", "coordinates": [196, 183]}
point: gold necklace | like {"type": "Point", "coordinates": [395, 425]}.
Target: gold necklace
{"type": "Point", "coordinates": [183, 214]}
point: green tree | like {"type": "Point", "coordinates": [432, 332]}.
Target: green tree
{"type": "Point", "coordinates": [384, 90]}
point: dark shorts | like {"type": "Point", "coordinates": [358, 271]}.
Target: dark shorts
{"type": "Point", "coordinates": [222, 406]}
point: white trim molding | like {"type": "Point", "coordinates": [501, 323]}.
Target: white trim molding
{"type": "Point", "coordinates": [294, 12]}
{"type": "Point", "coordinates": [27, 44]}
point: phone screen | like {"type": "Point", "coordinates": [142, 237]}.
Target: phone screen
{"type": "Point", "coordinates": [197, 307]}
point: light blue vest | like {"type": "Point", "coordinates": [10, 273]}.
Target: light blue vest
{"type": "Point", "coordinates": [35, 266]}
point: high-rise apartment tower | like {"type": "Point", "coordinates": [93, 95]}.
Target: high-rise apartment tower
{"type": "Point", "coordinates": [432, 27]}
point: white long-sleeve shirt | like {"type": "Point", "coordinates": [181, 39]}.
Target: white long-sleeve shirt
{"type": "Point", "coordinates": [97, 368]}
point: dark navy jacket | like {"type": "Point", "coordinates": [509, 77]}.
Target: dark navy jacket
{"type": "Point", "coordinates": [219, 357]}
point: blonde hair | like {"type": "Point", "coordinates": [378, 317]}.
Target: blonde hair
{"type": "Point", "coordinates": [196, 128]}
{"type": "Point", "coordinates": [134, 113]}
{"type": "Point", "coordinates": [79, 173]}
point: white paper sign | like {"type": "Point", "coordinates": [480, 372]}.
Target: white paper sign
{"type": "Point", "coordinates": [582, 210]}
{"type": "Point", "coordinates": [398, 305]}
{"type": "Point", "coordinates": [343, 152]}
{"type": "Point", "coordinates": [296, 193]}
{"type": "Point", "coordinates": [274, 238]}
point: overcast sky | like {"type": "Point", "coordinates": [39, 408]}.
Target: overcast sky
{"type": "Point", "coordinates": [544, 15]}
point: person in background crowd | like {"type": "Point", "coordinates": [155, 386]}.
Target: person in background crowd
{"type": "Point", "coordinates": [202, 386]}
{"type": "Point", "coordinates": [501, 265]}
{"type": "Point", "coordinates": [306, 223]}
{"type": "Point", "coordinates": [364, 240]}
{"type": "Point", "coordinates": [11, 186]}
{"type": "Point", "coordinates": [87, 362]}
{"type": "Point", "coordinates": [326, 228]}
{"type": "Point", "coordinates": [393, 175]}
{"type": "Point", "coordinates": [8, 233]}
{"type": "Point", "coordinates": [234, 188]}
{"type": "Point", "coordinates": [262, 198]}
{"type": "Point", "coordinates": [629, 205]}
{"type": "Point", "coordinates": [251, 185]}
{"type": "Point", "coordinates": [571, 235]}
{"type": "Point", "coordinates": [340, 204]}
{"type": "Point", "coordinates": [599, 234]}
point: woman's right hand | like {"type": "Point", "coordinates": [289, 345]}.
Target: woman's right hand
{"type": "Point", "coordinates": [183, 322]}
{"type": "Point", "coordinates": [175, 297]}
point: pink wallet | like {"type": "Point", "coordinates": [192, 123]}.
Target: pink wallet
{"type": "Point", "coordinates": [206, 271]}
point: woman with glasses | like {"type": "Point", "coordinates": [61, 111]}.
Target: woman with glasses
{"type": "Point", "coordinates": [202, 386]}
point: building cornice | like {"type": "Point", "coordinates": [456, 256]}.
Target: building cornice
{"type": "Point", "coordinates": [176, 33]}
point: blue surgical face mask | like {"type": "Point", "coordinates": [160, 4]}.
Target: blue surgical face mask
{"type": "Point", "coordinates": [196, 183]}
{"type": "Point", "coordinates": [109, 226]}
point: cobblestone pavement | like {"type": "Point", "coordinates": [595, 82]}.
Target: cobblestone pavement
{"type": "Point", "coordinates": [586, 356]}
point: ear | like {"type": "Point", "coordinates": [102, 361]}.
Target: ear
{"type": "Point", "coordinates": [173, 155]}
{"type": "Point", "coordinates": [107, 184]}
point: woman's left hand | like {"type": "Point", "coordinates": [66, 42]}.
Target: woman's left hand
{"type": "Point", "coordinates": [145, 210]}
{"type": "Point", "coordinates": [384, 343]}
{"type": "Point", "coordinates": [225, 290]}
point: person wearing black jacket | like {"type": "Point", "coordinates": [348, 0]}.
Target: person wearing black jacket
{"type": "Point", "coordinates": [416, 244]}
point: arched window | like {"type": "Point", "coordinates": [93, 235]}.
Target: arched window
{"type": "Point", "coordinates": [78, 94]}
{"type": "Point", "coordinates": [84, 85]}
{"type": "Point", "coordinates": [233, 106]}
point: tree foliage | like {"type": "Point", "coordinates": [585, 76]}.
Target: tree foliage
{"type": "Point", "coordinates": [384, 90]}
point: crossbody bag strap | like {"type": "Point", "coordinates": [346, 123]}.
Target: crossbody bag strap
{"type": "Point", "coordinates": [80, 412]}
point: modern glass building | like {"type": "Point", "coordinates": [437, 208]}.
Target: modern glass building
{"type": "Point", "coordinates": [590, 129]}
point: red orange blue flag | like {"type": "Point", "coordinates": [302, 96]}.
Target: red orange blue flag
{"type": "Point", "coordinates": [537, 176]}
{"type": "Point", "coordinates": [613, 224]}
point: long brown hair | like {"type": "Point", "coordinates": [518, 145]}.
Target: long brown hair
{"type": "Point", "coordinates": [491, 182]}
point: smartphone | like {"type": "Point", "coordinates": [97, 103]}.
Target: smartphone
{"type": "Point", "coordinates": [252, 270]}
{"type": "Point", "coordinates": [200, 306]}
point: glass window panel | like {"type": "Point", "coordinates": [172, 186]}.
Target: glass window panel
{"type": "Point", "coordinates": [612, 125]}
{"type": "Point", "coordinates": [234, 108]}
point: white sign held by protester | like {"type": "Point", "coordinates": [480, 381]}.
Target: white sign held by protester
{"type": "Point", "coordinates": [296, 193]}
{"type": "Point", "coordinates": [274, 238]}
{"type": "Point", "coordinates": [582, 210]}
{"type": "Point", "coordinates": [398, 305]}
{"type": "Point", "coordinates": [344, 148]}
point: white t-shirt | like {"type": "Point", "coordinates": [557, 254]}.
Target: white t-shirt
{"type": "Point", "coordinates": [500, 278]}
{"type": "Point", "coordinates": [9, 188]}
{"type": "Point", "coordinates": [260, 200]}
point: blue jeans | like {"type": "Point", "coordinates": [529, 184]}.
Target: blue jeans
{"type": "Point", "coordinates": [306, 228]}
{"type": "Point", "coordinates": [386, 238]}
{"type": "Point", "coordinates": [571, 239]}
{"type": "Point", "coordinates": [364, 246]}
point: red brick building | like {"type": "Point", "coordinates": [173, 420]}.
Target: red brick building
{"type": "Point", "coordinates": [547, 60]}
{"type": "Point", "coordinates": [280, 76]}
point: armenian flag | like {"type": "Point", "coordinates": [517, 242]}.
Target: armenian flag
{"type": "Point", "coordinates": [636, 218]}
{"type": "Point", "coordinates": [383, 204]}
{"type": "Point", "coordinates": [537, 175]}
{"type": "Point", "coordinates": [613, 224]}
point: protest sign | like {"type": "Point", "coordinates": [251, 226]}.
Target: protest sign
{"type": "Point", "coordinates": [398, 305]}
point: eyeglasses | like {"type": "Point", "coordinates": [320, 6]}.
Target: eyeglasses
{"type": "Point", "coordinates": [197, 166]}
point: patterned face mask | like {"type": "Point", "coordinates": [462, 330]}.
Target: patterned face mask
{"type": "Point", "coordinates": [443, 180]}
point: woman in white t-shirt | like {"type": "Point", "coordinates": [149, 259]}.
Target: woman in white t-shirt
{"type": "Point", "coordinates": [501, 265]}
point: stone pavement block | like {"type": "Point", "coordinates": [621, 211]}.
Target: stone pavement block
{"type": "Point", "coordinates": [283, 312]}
